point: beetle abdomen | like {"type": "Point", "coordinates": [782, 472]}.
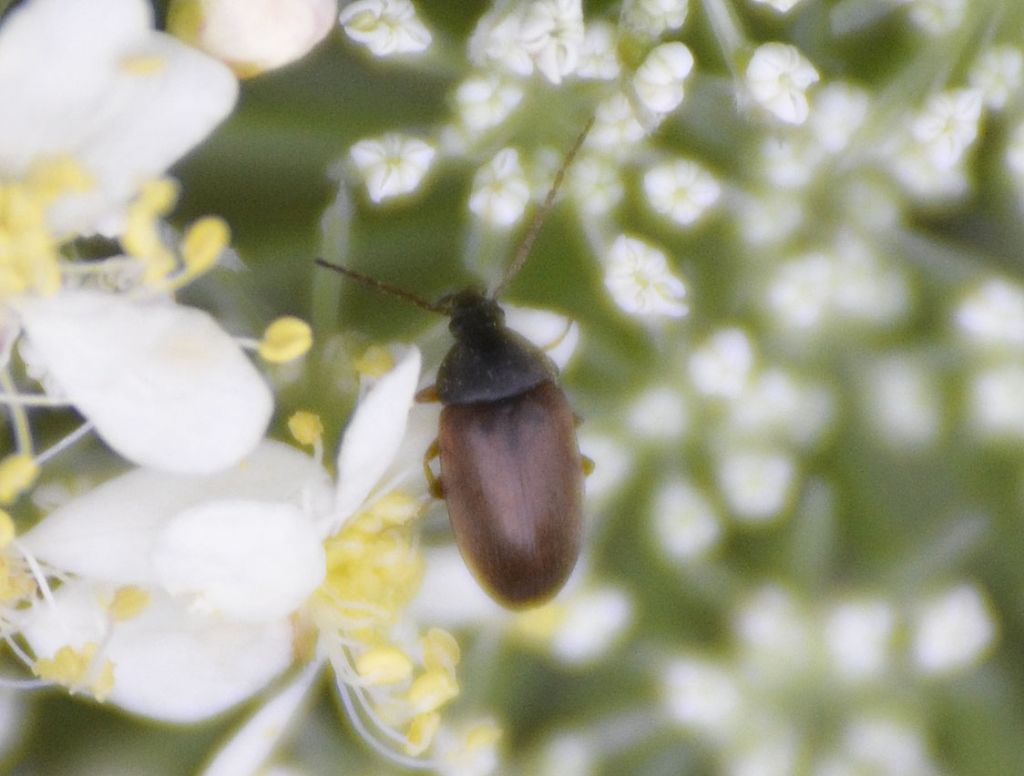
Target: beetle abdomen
{"type": "Point", "coordinates": [514, 486]}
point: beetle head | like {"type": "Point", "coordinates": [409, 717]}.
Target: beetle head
{"type": "Point", "coordinates": [473, 314]}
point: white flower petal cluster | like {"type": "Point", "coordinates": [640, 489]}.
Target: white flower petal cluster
{"type": "Point", "coordinates": [778, 77]}
{"type": "Point", "coordinates": [385, 27]}
{"type": "Point", "coordinates": [653, 18]}
{"type": "Point", "coordinates": [500, 190]}
{"type": "Point", "coordinates": [485, 101]}
{"type": "Point", "coordinates": [252, 36]}
{"type": "Point", "coordinates": [106, 89]}
{"type": "Point", "coordinates": [392, 165]}
{"type": "Point", "coordinates": [660, 78]}
{"type": "Point", "coordinates": [681, 190]}
{"type": "Point", "coordinates": [948, 125]}
{"type": "Point", "coordinates": [998, 75]}
{"type": "Point", "coordinates": [638, 277]}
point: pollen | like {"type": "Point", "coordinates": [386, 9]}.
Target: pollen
{"type": "Point", "coordinates": [396, 508]}
{"type": "Point", "coordinates": [421, 733]}
{"type": "Point", "coordinates": [440, 650]}
{"type": "Point", "coordinates": [77, 670]}
{"type": "Point", "coordinates": [375, 362]}
{"type": "Point", "coordinates": [16, 584]}
{"type": "Point", "coordinates": [204, 242]}
{"type": "Point", "coordinates": [141, 237]}
{"type": "Point", "coordinates": [286, 339]}
{"type": "Point", "coordinates": [306, 427]}
{"type": "Point", "coordinates": [17, 474]}
{"type": "Point", "coordinates": [431, 690]}
{"type": "Point", "coordinates": [384, 665]}
{"type": "Point", "coordinates": [128, 603]}
{"type": "Point", "coordinates": [143, 65]}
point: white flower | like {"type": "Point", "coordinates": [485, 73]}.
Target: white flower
{"type": "Point", "coordinates": [702, 695]}
{"type": "Point", "coordinates": [659, 80]}
{"type": "Point", "coordinates": [992, 315]}
{"type": "Point", "coordinates": [721, 366]}
{"type": "Point", "coordinates": [903, 403]}
{"type": "Point", "coordinates": [681, 190]}
{"type": "Point", "coordinates": [777, 403]}
{"type": "Point", "coordinates": [595, 183]}
{"type": "Point", "coordinates": [500, 190]}
{"type": "Point", "coordinates": [800, 294]}
{"type": "Point", "coordinates": [392, 164]}
{"type": "Point", "coordinates": [778, 76]}
{"type": "Point", "coordinates": [598, 59]}
{"type": "Point", "coordinates": [658, 413]}
{"type": "Point", "coordinates": [952, 630]}
{"type": "Point", "coordinates": [948, 126]}
{"type": "Point", "coordinates": [385, 27]}
{"type": "Point", "coordinates": [859, 636]}
{"type": "Point", "coordinates": [756, 484]}
{"type": "Point", "coordinates": [592, 621]}
{"type": "Point", "coordinates": [998, 75]}
{"type": "Point", "coordinates": [653, 18]}
{"type": "Point", "coordinates": [253, 35]}
{"type": "Point", "coordinates": [164, 385]}
{"type": "Point", "coordinates": [773, 632]}
{"type": "Point", "coordinates": [485, 101]}
{"type": "Point", "coordinates": [882, 744]}
{"type": "Point", "coordinates": [995, 408]}
{"type": "Point", "coordinates": [1015, 155]}
{"type": "Point", "coordinates": [616, 127]}
{"type": "Point", "coordinates": [640, 281]}
{"type": "Point", "coordinates": [94, 82]}
{"type": "Point", "coordinates": [937, 17]}
{"type": "Point", "coordinates": [840, 109]}
{"type": "Point", "coordinates": [684, 522]}
{"type": "Point", "coordinates": [552, 32]}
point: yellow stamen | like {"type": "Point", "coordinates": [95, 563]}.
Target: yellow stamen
{"type": "Point", "coordinates": [396, 508]}
{"type": "Point", "coordinates": [16, 584]}
{"type": "Point", "coordinates": [128, 603]}
{"type": "Point", "coordinates": [17, 473]}
{"type": "Point", "coordinates": [74, 669]}
{"type": "Point", "coordinates": [143, 64]}
{"type": "Point", "coordinates": [440, 650]}
{"type": "Point", "coordinates": [375, 362]}
{"type": "Point", "coordinates": [305, 427]}
{"type": "Point", "coordinates": [204, 242]}
{"type": "Point", "coordinates": [384, 665]}
{"type": "Point", "coordinates": [141, 237]}
{"type": "Point", "coordinates": [421, 733]}
{"type": "Point", "coordinates": [431, 690]}
{"type": "Point", "coordinates": [285, 339]}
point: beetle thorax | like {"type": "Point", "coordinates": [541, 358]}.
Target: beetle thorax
{"type": "Point", "coordinates": [475, 318]}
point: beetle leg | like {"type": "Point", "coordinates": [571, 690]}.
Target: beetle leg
{"type": "Point", "coordinates": [427, 395]}
{"type": "Point", "coordinates": [434, 481]}
{"type": "Point", "coordinates": [588, 465]}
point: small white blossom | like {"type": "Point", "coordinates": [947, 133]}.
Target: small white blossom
{"type": "Point", "coordinates": [640, 281]}
{"type": "Point", "coordinates": [721, 366]}
{"type": "Point", "coordinates": [659, 413]}
{"type": "Point", "coordinates": [799, 296]}
{"type": "Point", "coordinates": [756, 484]}
{"type": "Point", "coordinates": [385, 27]}
{"type": "Point", "coordinates": [948, 125]}
{"type": "Point", "coordinates": [952, 630]}
{"type": "Point", "coordinates": [552, 33]}
{"type": "Point", "coordinates": [681, 190]}
{"type": "Point", "coordinates": [773, 631]}
{"type": "Point", "coordinates": [616, 127]}
{"type": "Point", "coordinates": [880, 744]}
{"type": "Point", "coordinates": [1015, 155]}
{"type": "Point", "coordinates": [769, 220]}
{"type": "Point", "coordinates": [253, 36]}
{"type": "Point", "coordinates": [613, 462]}
{"type": "Point", "coordinates": [937, 17]}
{"type": "Point", "coordinates": [500, 190]}
{"type": "Point", "coordinates": [778, 76]}
{"type": "Point", "coordinates": [777, 403]}
{"type": "Point", "coordinates": [498, 38]}
{"type": "Point", "coordinates": [782, 6]}
{"type": "Point", "coordinates": [702, 695]}
{"type": "Point", "coordinates": [790, 162]}
{"type": "Point", "coordinates": [998, 75]}
{"type": "Point", "coordinates": [992, 315]}
{"type": "Point", "coordinates": [903, 403]}
{"type": "Point", "coordinates": [598, 59]}
{"type": "Point", "coordinates": [654, 18]}
{"type": "Point", "coordinates": [485, 101]}
{"type": "Point", "coordinates": [840, 109]}
{"type": "Point", "coordinates": [392, 164]}
{"type": "Point", "coordinates": [659, 80]}
{"type": "Point", "coordinates": [684, 522]}
{"type": "Point", "coordinates": [994, 402]}
{"type": "Point", "coordinates": [593, 622]}
{"type": "Point", "coordinates": [596, 184]}
{"type": "Point", "coordinates": [859, 635]}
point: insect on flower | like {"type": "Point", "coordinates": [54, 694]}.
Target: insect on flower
{"type": "Point", "coordinates": [511, 469]}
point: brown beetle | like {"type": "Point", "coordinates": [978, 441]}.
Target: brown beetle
{"type": "Point", "coordinates": [511, 470]}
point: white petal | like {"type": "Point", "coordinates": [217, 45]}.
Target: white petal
{"type": "Point", "coordinates": [70, 85]}
{"type": "Point", "coordinates": [449, 596]}
{"type": "Point", "coordinates": [169, 664]}
{"type": "Point", "coordinates": [374, 434]}
{"type": "Point", "coordinates": [253, 743]}
{"type": "Point", "coordinates": [164, 384]}
{"type": "Point", "coordinates": [109, 533]}
{"type": "Point", "coordinates": [557, 335]}
{"type": "Point", "coordinates": [247, 560]}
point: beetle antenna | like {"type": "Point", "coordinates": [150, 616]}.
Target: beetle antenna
{"type": "Point", "coordinates": [380, 285]}
{"type": "Point", "coordinates": [523, 251]}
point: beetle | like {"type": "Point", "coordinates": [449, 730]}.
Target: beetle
{"type": "Point", "coordinates": [511, 470]}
